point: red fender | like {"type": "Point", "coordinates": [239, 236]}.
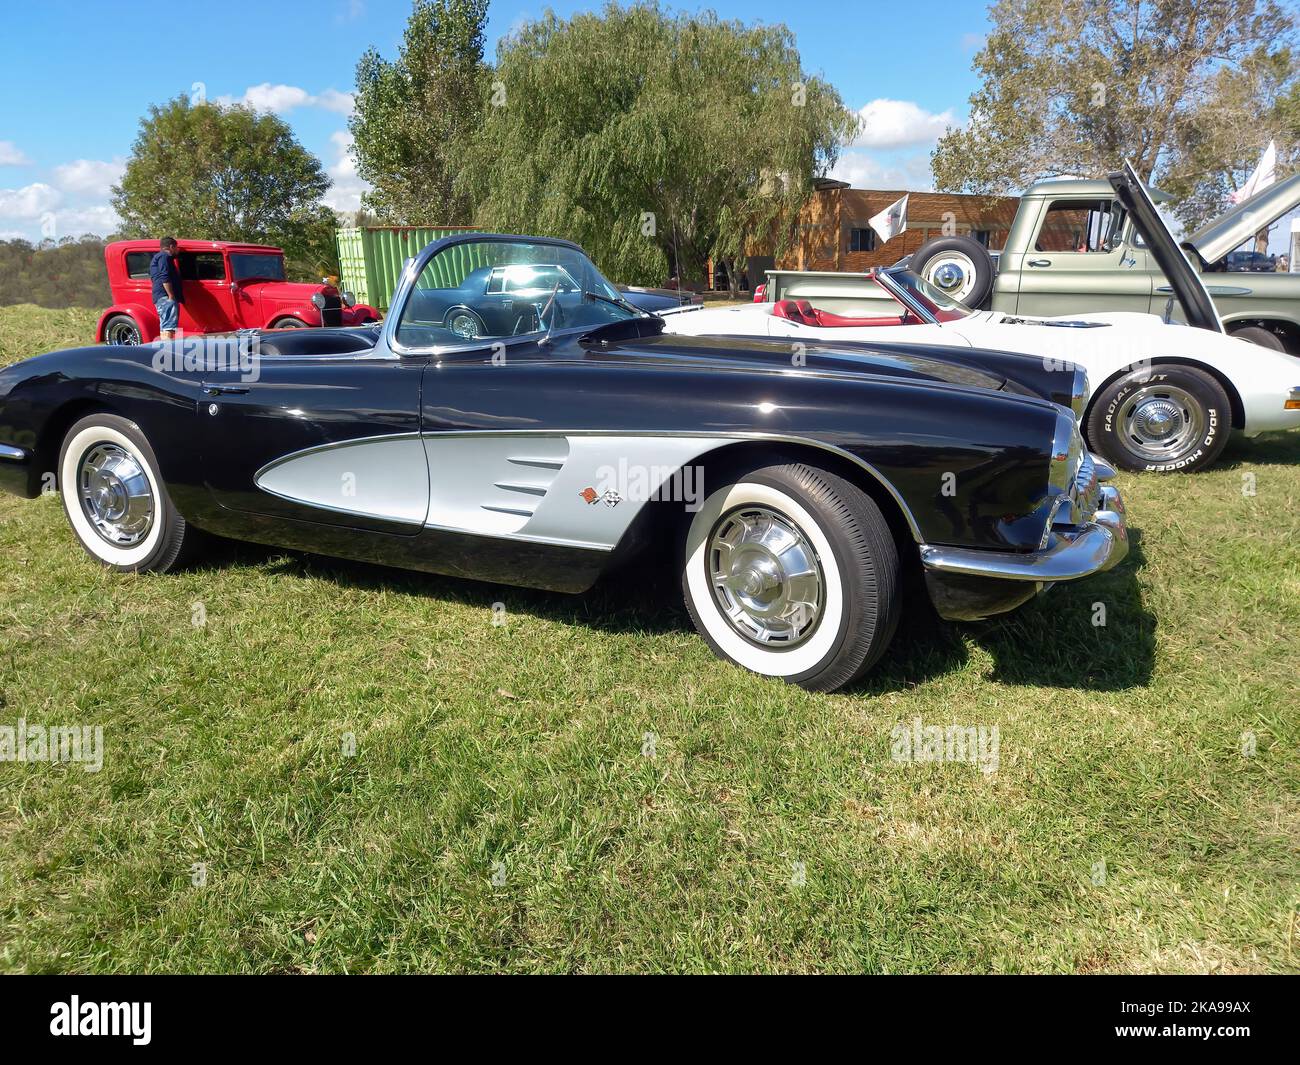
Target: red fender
{"type": "Point", "coordinates": [359, 313]}
{"type": "Point", "coordinates": [143, 314]}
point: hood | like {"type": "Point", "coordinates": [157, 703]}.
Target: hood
{"type": "Point", "coordinates": [1190, 291]}
{"type": "Point", "coordinates": [915, 362]}
{"type": "Point", "coordinates": [286, 291]}
{"type": "Point", "coordinates": [1233, 228]}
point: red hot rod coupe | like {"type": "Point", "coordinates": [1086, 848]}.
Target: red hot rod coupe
{"type": "Point", "coordinates": [225, 285]}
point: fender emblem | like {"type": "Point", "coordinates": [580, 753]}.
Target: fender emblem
{"type": "Point", "coordinates": [591, 497]}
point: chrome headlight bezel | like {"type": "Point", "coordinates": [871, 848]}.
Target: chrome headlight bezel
{"type": "Point", "coordinates": [1079, 389]}
{"type": "Point", "coordinates": [349, 300]}
{"type": "Point", "coordinates": [318, 300]}
{"type": "Point", "coordinates": [1067, 452]}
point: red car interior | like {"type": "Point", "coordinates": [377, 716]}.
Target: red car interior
{"type": "Point", "coordinates": [805, 313]}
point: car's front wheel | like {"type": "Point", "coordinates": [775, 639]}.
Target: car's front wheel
{"type": "Point", "coordinates": [115, 499]}
{"type": "Point", "coordinates": [792, 572]}
{"type": "Point", "coordinates": [1167, 419]}
{"type": "Point", "coordinates": [289, 323]}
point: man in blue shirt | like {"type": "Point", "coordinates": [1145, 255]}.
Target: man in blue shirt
{"type": "Point", "coordinates": [166, 278]}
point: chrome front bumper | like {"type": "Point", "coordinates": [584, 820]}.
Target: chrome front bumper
{"type": "Point", "coordinates": [1086, 535]}
{"type": "Point", "coordinates": [1078, 551]}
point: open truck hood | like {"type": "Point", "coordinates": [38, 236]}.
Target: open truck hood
{"type": "Point", "coordinates": [1233, 228]}
{"type": "Point", "coordinates": [1198, 308]}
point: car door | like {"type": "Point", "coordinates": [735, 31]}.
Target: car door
{"type": "Point", "coordinates": [332, 439]}
{"type": "Point", "coordinates": [207, 306]}
{"type": "Point", "coordinates": [1074, 265]}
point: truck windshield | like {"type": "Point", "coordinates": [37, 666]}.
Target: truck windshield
{"type": "Point", "coordinates": [246, 265]}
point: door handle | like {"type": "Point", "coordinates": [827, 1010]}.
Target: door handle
{"type": "Point", "coordinates": [224, 390]}
{"type": "Point", "coordinates": [1039, 262]}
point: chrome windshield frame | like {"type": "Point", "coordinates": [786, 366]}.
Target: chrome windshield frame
{"type": "Point", "coordinates": [415, 266]}
{"type": "Point", "coordinates": [884, 278]}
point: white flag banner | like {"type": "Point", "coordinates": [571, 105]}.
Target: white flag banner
{"type": "Point", "coordinates": [891, 221]}
{"type": "Point", "coordinates": [1263, 176]}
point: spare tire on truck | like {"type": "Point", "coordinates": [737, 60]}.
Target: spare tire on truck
{"type": "Point", "coordinates": [961, 267]}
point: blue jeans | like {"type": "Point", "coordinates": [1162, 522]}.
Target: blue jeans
{"type": "Point", "coordinates": [169, 313]}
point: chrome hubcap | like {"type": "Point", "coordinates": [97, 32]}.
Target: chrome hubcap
{"type": "Point", "coordinates": [1161, 421]}
{"type": "Point", "coordinates": [115, 495]}
{"type": "Point", "coordinates": [766, 577]}
{"type": "Point", "coordinates": [954, 274]}
{"type": "Point", "coordinates": [463, 325]}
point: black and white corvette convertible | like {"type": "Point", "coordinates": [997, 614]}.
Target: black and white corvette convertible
{"type": "Point", "coordinates": [566, 435]}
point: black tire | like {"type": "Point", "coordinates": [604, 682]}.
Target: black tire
{"type": "Point", "coordinates": [168, 539]}
{"type": "Point", "coordinates": [121, 329]}
{"type": "Point", "coordinates": [1265, 338]}
{"type": "Point", "coordinates": [978, 267]}
{"type": "Point", "coordinates": [839, 536]}
{"type": "Point", "coordinates": [289, 322]}
{"type": "Point", "coordinates": [464, 314]}
{"type": "Point", "coordinates": [1127, 420]}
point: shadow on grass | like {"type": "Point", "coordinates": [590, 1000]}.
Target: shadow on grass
{"type": "Point", "coordinates": [1271, 449]}
{"type": "Point", "coordinates": [1052, 641]}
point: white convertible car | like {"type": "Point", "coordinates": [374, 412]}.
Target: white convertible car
{"type": "Point", "coordinates": [1163, 396]}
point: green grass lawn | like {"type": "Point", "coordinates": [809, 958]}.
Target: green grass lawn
{"type": "Point", "coordinates": [504, 810]}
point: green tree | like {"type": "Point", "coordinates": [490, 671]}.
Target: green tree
{"type": "Point", "coordinates": [1219, 146]}
{"type": "Point", "coordinates": [413, 114]}
{"type": "Point", "coordinates": [1077, 86]}
{"type": "Point", "coordinates": [226, 173]}
{"type": "Point", "coordinates": [655, 140]}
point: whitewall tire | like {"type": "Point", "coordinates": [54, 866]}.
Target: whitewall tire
{"type": "Point", "coordinates": [115, 499]}
{"type": "Point", "coordinates": [792, 572]}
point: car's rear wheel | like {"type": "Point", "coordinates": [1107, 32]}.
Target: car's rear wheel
{"type": "Point", "coordinates": [959, 266]}
{"type": "Point", "coordinates": [464, 323]}
{"type": "Point", "coordinates": [115, 499]}
{"type": "Point", "coordinates": [1265, 338]}
{"type": "Point", "coordinates": [121, 329]}
{"type": "Point", "coordinates": [1165, 420]}
{"type": "Point", "coordinates": [288, 323]}
{"type": "Point", "coordinates": [792, 572]}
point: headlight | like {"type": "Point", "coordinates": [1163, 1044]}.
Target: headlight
{"type": "Point", "coordinates": [1079, 389]}
{"type": "Point", "coordinates": [318, 301]}
{"type": "Point", "coordinates": [1067, 451]}
{"type": "Point", "coordinates": [350, 300]}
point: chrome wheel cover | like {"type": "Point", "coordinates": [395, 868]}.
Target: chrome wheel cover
{"type": "Point", "coordinates": [766, 577]}
{"type": "Point", "coordinates": [463, 325]}
{"type": "Point", "coordinates": [1160, 422]}
{"type": "Point", "coordinates": [115, 494]}
{"type": "Point", "coordinates": [953, 273]}
{"type": "Point", "coordinates": [121, 333]}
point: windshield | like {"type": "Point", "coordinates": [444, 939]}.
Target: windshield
{"type": "Point", "coordinates": [244, 265]}
{"type": "Point", "coordinates": [931, 298]}
{"type": "Point", "coordinates": [495, 289]}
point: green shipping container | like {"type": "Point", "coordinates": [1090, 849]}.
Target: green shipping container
{"type": "Point", "coordinates": [371, 257]}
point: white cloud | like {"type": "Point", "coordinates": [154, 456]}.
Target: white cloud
{"type": "Point", "coordinates": [99, 219]}
{"type": "Point", "coordinates": [284, 98]}
{"type": "Point", "coordinates": [12, 155]}
{"type": "Point", "coordinates": [31, 201]}
{"type": "Point", "coordinates": [89, 177]}
{"type": "Point", "coordinates": [863, 170]}
{"type": "Point", "coordinates": [899, 124]}
{"type": "Point", "coordinates": [345, 193]}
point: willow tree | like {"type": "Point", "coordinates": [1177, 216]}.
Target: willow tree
{"type": "Point", "coordinates": [656, 140]}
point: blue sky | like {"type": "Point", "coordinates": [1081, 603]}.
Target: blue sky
{"type": "Point", "coordinates": [77, 75]}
